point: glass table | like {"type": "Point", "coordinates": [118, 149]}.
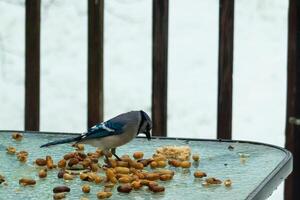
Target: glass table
{"type": "Point", "coordinates": [255, 169]}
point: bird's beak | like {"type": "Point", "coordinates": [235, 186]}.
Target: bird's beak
{"type": "Point", "coordinates": [148, 135]}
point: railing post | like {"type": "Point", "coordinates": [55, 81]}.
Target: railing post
{"type": "Point", "coordinates": [32, 64]}
{"type": "Point", "coordinates": [95, 61]}
{"type": "Point", "coordinates": [292, 131]}
{"type": "Point", "coordinates": [226, 24]}
{"type": "Point", "coordinates": [160, 66]}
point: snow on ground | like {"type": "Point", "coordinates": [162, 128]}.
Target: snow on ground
{"type": "Point", "coordinates": [259, 66]}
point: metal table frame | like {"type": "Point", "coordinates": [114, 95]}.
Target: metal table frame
{"type": "Point", "coordinates": [263, 191]}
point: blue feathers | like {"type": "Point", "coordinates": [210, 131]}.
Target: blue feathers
{"type": "Point", "coordinates": [116, 126]}
{"type": "Point", "coordinates": [98, 131]}
{"type": "Point", "coordinates": [67, 140]}
{"type": "Point", "coordinates": [104, 129]}
{"type": "Point", "coordinates": [123, 127]}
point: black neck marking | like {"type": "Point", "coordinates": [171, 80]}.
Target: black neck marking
{"type": "Point", "coordinates": [141, 122]}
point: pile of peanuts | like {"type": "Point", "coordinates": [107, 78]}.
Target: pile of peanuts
{"type": "Point", "coordinates": [181, 153]}
{"type": "Point", "coordinates": [21, 155]}
{"type": "Point", "coordinates": [127, 174]}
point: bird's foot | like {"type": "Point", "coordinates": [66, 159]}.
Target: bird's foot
{"type": "Point", "coordinates": [107, 165]}
{"type": "Point", "coordinates": [117, 157]}
{"type": "Point", "coordinates": [107, 161]}
{"type": "Point", "coordinates": [113, 151]}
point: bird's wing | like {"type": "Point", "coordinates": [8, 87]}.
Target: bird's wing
{"type": "Point", "coordinates": [103, 130]}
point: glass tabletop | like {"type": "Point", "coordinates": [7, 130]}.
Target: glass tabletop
{"type": "Point", "coordinates": [255, 169]}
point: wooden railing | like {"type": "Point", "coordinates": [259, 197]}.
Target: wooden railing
{"type": "Point", "coordinates": [292, 130]}
{"type": "Point", "coordinates": [226, 22]}
{"type": "Point", "coordinates": [95, 61]}
{"type": "Point", "coordinates": [32, 64]}
{"type": "Point", "coordinates": [160, 66]}
{"type": "Point", "coordinates": [160, 73]}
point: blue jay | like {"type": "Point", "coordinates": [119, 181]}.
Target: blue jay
{"type": "Point", "coordinates": [114, 132]}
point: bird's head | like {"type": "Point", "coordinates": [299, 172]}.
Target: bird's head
{"type": "Point", "coordinates": [146, 124]}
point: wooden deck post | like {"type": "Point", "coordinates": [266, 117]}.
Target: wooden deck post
{"type": "Point", "coordinates": [32, 64]}
{"type": "Point", "coordinates": [226, 24]}
{"type": "Point", "coordinates": [292, 191]}
{"type": "Point", "coordinates": [95, 61]}
{"type": "Point", "coordinates": [160, 66]}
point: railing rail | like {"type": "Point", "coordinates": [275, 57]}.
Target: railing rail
{"type": "Point", "coordinates": [160, 72]}
{"type": "Point", "coordinates": [160, 66]}
{"type": "Point", "coordinates": [293, 100]}
{"type": "Point", "coordinates": [95, 61]}
{"type": "Point", "coordinates": [226, 24]}
{"type": "Point", "coordinates": [32, 64]}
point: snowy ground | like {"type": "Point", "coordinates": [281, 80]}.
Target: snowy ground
{"type": "Point", "coordinates": [259, 66]}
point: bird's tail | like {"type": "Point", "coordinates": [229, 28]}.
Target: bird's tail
{"type": "Point", "coordinates": [67, 140]}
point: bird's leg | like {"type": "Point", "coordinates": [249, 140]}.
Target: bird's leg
{"type": "Point", "coordinates": [113, 151]}
{"type": "Point", "coordinates": [107, 161]}
{"type": "Point", "coordinates": [108, 164]}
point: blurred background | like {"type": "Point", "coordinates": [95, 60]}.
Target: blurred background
{"type": "Point", "coordinates": [260, 60]}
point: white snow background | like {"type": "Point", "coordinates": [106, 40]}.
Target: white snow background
{"type": "Point", "coordinates": [260, 59]}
